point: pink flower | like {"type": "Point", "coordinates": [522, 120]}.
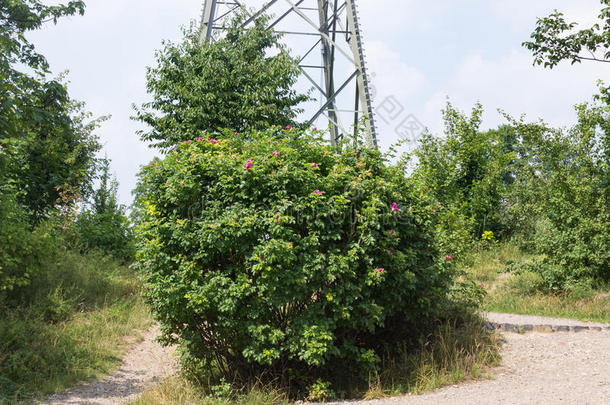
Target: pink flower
{"type": "Point", "coordinates": [188, 142]}
{"type": "Point", "coordinates": [213, 141]}
{"type": "Point", "coordinates": [380, 270]}
{"type": "Point", "coordinates": [260, 258]}
{"type": "Point", "coordinates": [234, 133]}
{"type": "Point", "coordinates": [391, 252]}
{"type": "Point", "coordinates": [482, 285]}
{"type": "Point", "coordinates": [424, 295]}
{"type": "Point", "coordinates": [249, 164]}
{"type": "Point", "coordinates": [199, 138]}
{"type": "Point", "coordinates": [318, 192]}
{"type": "Point", "coordinates": [315, 128]}
{"type": "Point", "coordinates": [276, 153]}
{"type": "Point", "coordinates": [392, 233]}
{"type": "Point", "coordinates": [288, 126]}
{"type": "Point", "coordinates": [447, 258]}
{"type": "Point", "coordinates": [314, 165]}
{"type": "Point", "coordinates": [394, 207]}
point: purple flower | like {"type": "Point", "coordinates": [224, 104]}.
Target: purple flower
{"type": "Point", "coordinates": [424, 295]}
{"type": "Point", "coordinates": [260, 258]}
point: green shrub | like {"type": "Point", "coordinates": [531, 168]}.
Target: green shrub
{"type": "Point", "coordinates": [21, 250]}
{"type": "Point", "coordinates": [525, 283]}
{"type": "Point", "coordinates": [274, 255]}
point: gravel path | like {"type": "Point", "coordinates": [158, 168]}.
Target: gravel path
{"type": "Point", "coordinates": [144, 364]}
{"type": "Point", "coordinates": [539, 320]}
{"type": "Point", "coordinates": [537, 368]}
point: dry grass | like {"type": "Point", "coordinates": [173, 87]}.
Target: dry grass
{"type": "Point", "coordinates": [517, 293]}
{"type": "Point", "coordinates": [179, 391]}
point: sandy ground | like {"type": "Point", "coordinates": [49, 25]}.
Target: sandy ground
{"type": "Point", "coordinates": [144, 364]}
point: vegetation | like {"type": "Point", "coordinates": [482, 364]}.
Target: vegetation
{"type": "Point", "coordinates": [63, 306]}
{"type": "Point", "coordinates": [446, 356]}
{"type": "Point", "coordinates": [104, 225]}
{"type": "Point", "coordinates": [514, 290]}
{"type": "Point", "coordinates": [275, 256]}
{"type": "Point", "coordinates": [241, 82]}
{"type": "Point", "coordinates": [70, 324]}
{"type": "Point", "coordinates": [285, 268]}
{"type": "Point", "coordinates": [546, 189]}
{"type": "Point", "coordinates": [555, 40]}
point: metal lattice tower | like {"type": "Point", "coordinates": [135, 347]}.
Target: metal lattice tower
{"type": "Point", "coordinates": [331, 26]}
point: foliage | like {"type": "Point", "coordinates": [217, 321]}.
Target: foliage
{"type": "Point", "coordinates": [274, 255]}
{"type": "Point", "coordinates": [50, 135]}
{"type": "Point", "coordinates": [104, 224]}
{"type": "Point", "coordinates": [21, 251]}
{"type": "Point", "coordinates": [69, 324]}
{"type": "Point", "coordinates": [465, 174]}
{"type": "Point", "coordinates": [450, 354]}
{"type": "Point", "coordinates": [240, 82]}
{"type": "Point", "coordinates": [554, 40]}
{"type": "Point", "coordinates": [505, 272]}
{"type": "Point", "coordinates": [563, 186]}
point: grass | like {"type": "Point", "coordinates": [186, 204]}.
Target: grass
{"type": "Point", "coordinates": [65, 327]}
{"type": "Point", "coordinates": [509, 292]}
{"type": "Point", "coordinates": [451, 354]}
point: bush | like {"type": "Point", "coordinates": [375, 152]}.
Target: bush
{"type": "Point", "coordinates": [566, 189]}
{"type": "Point", "coordinates": [277, 256]}
{"type": "Point", "coordinates": [21, 250]}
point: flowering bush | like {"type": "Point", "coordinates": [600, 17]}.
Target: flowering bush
{"type": "Point", "coordinates": [276, 255]}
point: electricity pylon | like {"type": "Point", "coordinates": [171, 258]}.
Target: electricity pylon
{"type": "Point", "coordinates": [332, 27]}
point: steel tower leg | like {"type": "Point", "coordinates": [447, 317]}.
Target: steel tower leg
{"type": "Point", "coordinates": [342, 63]}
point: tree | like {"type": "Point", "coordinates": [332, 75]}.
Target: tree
{"type": "Point", "coordinates": [241, 82]}
{"type": "Point", "coordinates": [104, 224]}
{"type": "Point", "coordinates": [554, 40]}
{"type": "Point", "coordinates": [45, 131]}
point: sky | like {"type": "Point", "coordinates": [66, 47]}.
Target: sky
{"type": "Point", "coordinates": [419, 55]}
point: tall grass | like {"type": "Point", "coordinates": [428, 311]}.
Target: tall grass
{"type": "Point", "coordinates": [519, 292]}
{"type": "Point", "coordinates": [70, 324]}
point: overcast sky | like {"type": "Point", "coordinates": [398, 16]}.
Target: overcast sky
{"type": "Point", "coordinates": [419, 52]}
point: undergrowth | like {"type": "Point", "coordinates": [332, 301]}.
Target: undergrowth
{"type": "Point", "coordinates": [512, 288]}
{"type": "Point", "coordinates": [71, 324]}
{"type": "Point", "coordinates": [451, 354]}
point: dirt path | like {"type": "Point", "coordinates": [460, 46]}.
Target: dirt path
{"type": "Point", "coordinates": [537, 368]}
{"type": "Point", "coordinates": [144, 364]}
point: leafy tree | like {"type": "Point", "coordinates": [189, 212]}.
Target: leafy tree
{"type": "Point", "coordinates": [465, 173]}
{"type": "Point", "coordinates": [104, 224]}
{"type": "Point", "coordinates": [555, 40]}
{"type": "Point", "coordinates": [561, 197]}
{"type": "Point", "coordinates": [241, 82]}
{"type": "Point", "coordinates": [50, 134]}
